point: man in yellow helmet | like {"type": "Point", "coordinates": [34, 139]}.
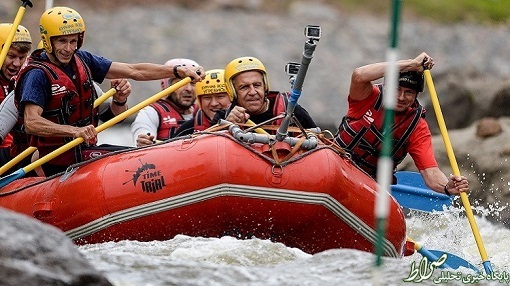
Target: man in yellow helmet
{"type": "Point", "coordinates": [14, 60]}
{"type": "Point", "coordinates": [247, 85]}
{"type": "Point", "coordinates": [212, 96]}
{"type": "Point", "coordinates": [56, 93]}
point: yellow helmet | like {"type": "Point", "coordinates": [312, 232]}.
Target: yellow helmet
{"type": "Point", "coordinates": [183, 62]}
{"type": "Point", "coordinates": [240, 65]}
{"type": "Point", "coordinates": [60, 21]}
{"type": "Point", "coordinates": [21, 35]}
{"type": "Point", "coordinates": [214, 82]}
{"type": "Point", "coordinates": [40, 45]}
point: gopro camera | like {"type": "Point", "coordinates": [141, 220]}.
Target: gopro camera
{"type": "Point", "coordinates": [313, 32]}
{"type": "Point", "coordinates": [292, 68]}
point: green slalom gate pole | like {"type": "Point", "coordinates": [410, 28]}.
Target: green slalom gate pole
{"type": "Point", "coordinates": [385, 162]}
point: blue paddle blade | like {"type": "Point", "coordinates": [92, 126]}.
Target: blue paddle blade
{"type": "Point", "coordinates": [11, 177]}
{"type": "Point", "coordinates": [453, 261]}
{"type": "Point", "coordinates": [412, 193]}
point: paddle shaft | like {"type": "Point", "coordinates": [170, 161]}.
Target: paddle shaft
{"type": "Point", "coordinates": [108, 124]}
{"type": "Point", "coordinates": [104, 96]}
{"type": "Point", "coordinates": [32, 149]}
{"type": "Point", "coordinates": [17, 159]}
{"type": "Point", "coordinates": [455, 169]}
{"type": "Point", "coordinates": [12, 32]}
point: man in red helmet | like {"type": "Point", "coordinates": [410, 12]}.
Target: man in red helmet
{"type": "Point", "coordinates": [160, 120]}
{"type": "Point", "coordinates": [56, 93]}
{"type": "Point", "coordinates": [360, 132]}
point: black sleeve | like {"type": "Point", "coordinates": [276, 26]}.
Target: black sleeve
{"type": "Point", "coordinates": [187, 128]}
{"type": "Point", "coordinates": [106, 115]}
{"type": "Point", "coordinates": [304, 118]}
{"type": "Point", "coordinates": [220, 114]}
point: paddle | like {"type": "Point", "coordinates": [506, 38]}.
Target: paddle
{"type": "Point", "coordinates": [452, 261]}
{"type": "Point", "coordinates": [455, 168]}
{"type": "Point", "coordinates": [7, 166]}
{"type": "Point", "coordinates": [21, 172]}
{"type": "Point", "coordinates": [105, 96]}
{"type": "Point", "coordinates": [412, 193]}
{"type": "Point", "coordinates": [12, 32]}
{"type": "Point", "coordinates": [32, 149]}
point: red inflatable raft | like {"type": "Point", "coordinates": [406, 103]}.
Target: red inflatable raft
{"type": "Point", "coordinates": [300, 192]}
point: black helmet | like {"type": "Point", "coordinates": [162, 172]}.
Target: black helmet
{"type": "Point", "coordinates": [411, 79]}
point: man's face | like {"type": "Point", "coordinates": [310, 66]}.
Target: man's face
{"type": "Point", "coordinates": [184, 97]}
{"type": "Point", "coordinates": [214, 102]}
{"type": "Point", "coordinates": [13, 62]}
{"type": "Point", "coordinates": [249, 87]}
{"type": "Point", "coordinates": [405, 98]}
{"type": "Point", "coordinates": [64, 47]}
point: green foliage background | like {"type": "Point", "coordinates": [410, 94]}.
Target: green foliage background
{"type": "Point", "coordinates": [487, 12]}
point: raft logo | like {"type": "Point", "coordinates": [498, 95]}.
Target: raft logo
{"type": "Point", "coordinates": [148, 177]}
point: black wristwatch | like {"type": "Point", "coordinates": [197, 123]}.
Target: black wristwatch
{"type": "Point", "coordinates": [118, 103]}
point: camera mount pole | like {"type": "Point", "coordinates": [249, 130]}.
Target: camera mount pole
{"type": "Point", "coordinates": [297, 86]}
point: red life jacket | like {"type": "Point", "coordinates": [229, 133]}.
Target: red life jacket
{"type": "Point", "coordinates": [7, 142]}
{"type": "Point", "coordinates": [72, 103]}
{"type": "Point", "coordinates": [362, 137]}
{"type": "Point", "coordinates": [280, 104]}
{"type": "Point", "coordinates": [200, 121]}
{"type": "Point", "coordinates": [169, 119]}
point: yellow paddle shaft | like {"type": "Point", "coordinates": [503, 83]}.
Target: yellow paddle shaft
{"type": "Point", "coordinates": [453, 163]}
{"type": "Point", "coordinates": [12, 32]}
{"type": "Point", "coordinates": [104, 97]}
{"type": "Point", "coordinates": [108, 124]}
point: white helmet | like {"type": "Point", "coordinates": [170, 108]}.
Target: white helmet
{"type": "Point", "coordinates": [183, 62]}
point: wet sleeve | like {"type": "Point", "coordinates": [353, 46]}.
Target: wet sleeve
{"type": "Point", "coordinates": [304, 118]}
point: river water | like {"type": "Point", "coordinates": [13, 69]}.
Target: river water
{"type": "Point", "coordinates": [227, 261]}
{"type": "Point", "coordinates": [186, 260]}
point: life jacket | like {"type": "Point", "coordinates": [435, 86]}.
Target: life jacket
{"type": "Point", "coordinates": [71, 103]}
{"type": "Point", "coordinates": [169, 119]}
{"type": "Point", "coordinates": [200, 121]}
{"type": "Point", "coordinates": [4, 91]}
{"type": "Point", "coordinates": [362, 137]}
{"type": "Point", "coordinates": [280, 104]}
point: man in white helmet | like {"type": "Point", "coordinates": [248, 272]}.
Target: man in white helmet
{"type": "Point", "coordinates": [160, 120]}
